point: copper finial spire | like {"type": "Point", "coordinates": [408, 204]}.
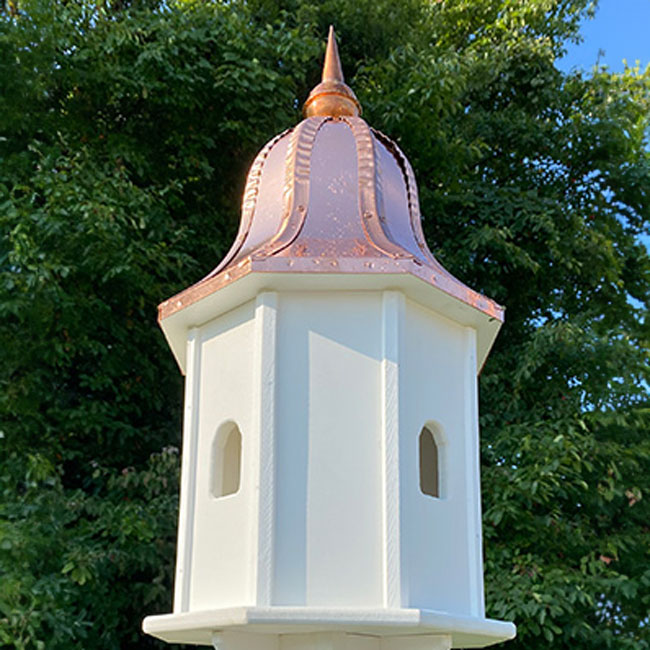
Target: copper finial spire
{"type": "Point", "coordinates": [332, 70]}
{"type": "Point", "coordinates": [332, 96]}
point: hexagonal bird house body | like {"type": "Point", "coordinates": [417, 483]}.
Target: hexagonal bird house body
{"type": "Point", "coordinates": [330, 477]}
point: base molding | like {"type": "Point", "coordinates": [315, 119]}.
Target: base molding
{"type": "Point", "coordinates": [229, 640]}
{"type": "Point", "coordinates": [309, 628]}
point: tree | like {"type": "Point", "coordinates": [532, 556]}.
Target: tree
{"type": "Point", "coordinates": [126, 130]}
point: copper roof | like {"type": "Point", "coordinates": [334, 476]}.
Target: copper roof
{"type": "Point", "coordinates": [331, 195]}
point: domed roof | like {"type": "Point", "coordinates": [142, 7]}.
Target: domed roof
{"type": "Point", "coordinates": [331, 196]}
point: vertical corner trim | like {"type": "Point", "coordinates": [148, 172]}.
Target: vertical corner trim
{"type": "Point", "coordinates": [393, 305]}
{"type": "Point", "coordinates": [266, 308]}
{"type": "Point", "coordinates": [188, 473]}
{"type": "Point", "coordinates": [472, 476]}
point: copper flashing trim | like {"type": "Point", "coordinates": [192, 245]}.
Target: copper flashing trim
{"type": "Point", "coordinates": [411, 192]}
{"type": "Point", "coordinates": [351, 265]}
{"type": "Point", "coordinates": [369, 193]}
{"type": "Point", "coordinates": [202, 289]}
{"type": "Point", "coordinates": [296, 190]}
{"type": "Point", "coordinates": [332, 97]}
{"type": "Point", "coordinates": [249, 202]}
{"type": "Point", "coordinates": [414, 204]}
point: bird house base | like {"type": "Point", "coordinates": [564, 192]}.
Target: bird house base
{"type": "Point", "coordinates": [302, 628]}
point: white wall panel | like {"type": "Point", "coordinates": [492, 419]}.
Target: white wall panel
{"type": "Point", "coordinates": [223, 527]}
{"type": "Point", "coordinates": [435, 552]}
{"type": "Point", "coordinates": [328, 466]}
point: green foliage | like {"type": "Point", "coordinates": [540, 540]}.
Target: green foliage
{"type": "Point", "coordinates": [126, 130]}
{"type": "Point", "coordinates": [80, 565]}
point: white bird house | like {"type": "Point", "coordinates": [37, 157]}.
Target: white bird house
{"type": "Point", "coordinates": [330, 489]}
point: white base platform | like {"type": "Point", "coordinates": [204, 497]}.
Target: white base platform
{"type": "Point", "coordinates": [215, 626]}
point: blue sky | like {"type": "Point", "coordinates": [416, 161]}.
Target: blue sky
{"type": "Point", "coordinates": [621, 29]}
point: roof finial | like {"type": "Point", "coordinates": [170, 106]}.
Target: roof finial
{"type": "Point", "coordinates": [332, 96]}
{"type": "Point", "coordinates": [332, 70]}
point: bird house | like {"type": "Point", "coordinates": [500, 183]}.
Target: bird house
{"type": "Point", "coordinates": [330, 488]}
